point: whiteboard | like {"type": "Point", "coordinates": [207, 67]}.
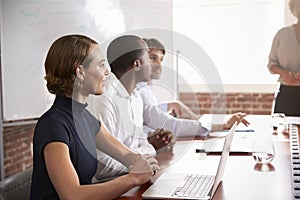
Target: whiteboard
{"type": "Point", "coordinates": [28, 28]}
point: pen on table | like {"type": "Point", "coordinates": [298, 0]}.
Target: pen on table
{"type": "Point", "coordinates": [203, 152]}
{"type": "Point", "coordinates": [241, 130]}
{"type": "Point", "coordinates": [220, 152]}
{"type": "Point", "coordinates": [200, 151]}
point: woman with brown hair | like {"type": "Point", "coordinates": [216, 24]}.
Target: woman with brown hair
{"type": "Point", "coordinates": [67, 135]}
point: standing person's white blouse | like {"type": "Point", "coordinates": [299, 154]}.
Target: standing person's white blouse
{"type": "Point", "coordinates": [285, 51]}
{"type": "Point", "coordinates": [122, 114]}
{"type": "Point", "coordinates": [156, 117]}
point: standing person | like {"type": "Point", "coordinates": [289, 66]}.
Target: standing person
{"type": "Point", "coordinates": [66, 136]}
{"type": "Point", "coordinates": [120, 108]}
{"type": "Point", "coordinates": [155, 115]}
{"type": "Point", "coordinates": [284, 59]}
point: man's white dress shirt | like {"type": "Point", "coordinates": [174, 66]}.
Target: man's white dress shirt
{"type": "Point", "coordinates": [122, 114]}
{"type": "Point", "coordinates": [156, 117]}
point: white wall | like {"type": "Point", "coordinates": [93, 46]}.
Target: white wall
{"type": "Point", "coordinates": [246, 65]}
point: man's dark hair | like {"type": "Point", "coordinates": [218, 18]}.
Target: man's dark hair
{"type": "Point", "coordinates": [155, 44]}
{"type": "Point", "coordinates": [123, 51]}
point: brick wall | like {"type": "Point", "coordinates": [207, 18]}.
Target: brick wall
{"type": "Point", "coordinates": [17, 140]}
{"type": "Point", "coordinates": [17, 145]}
{"type": "Point", "coordinates": [251, 103]}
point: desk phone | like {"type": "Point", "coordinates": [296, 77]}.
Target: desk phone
{"type": "Point", "coordinates": [295, 160]}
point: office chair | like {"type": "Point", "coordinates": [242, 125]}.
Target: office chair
{"type": "Point", "coordinates": [17, 186]}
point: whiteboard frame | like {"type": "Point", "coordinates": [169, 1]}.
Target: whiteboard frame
{"type": "Point", "coordinates": [1, 106]}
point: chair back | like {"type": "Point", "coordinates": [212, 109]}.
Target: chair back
{"type": "Point", "coordinates": [17, 186]}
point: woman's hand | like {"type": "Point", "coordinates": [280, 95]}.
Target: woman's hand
{"type": "Point", "coordinates": [143, 168]}
{"type": "Point", "coordinates": [291, 78]}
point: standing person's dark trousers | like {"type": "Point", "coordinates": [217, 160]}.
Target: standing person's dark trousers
{"type": "Point", "coordinates": [288, 100]}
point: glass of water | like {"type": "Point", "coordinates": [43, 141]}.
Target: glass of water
{"type": "Point", "coordinates": [278, 122]}
{"type": "Point", "coordinates": [263, 150]}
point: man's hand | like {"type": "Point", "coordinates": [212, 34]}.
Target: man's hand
{"type": "Point", "coordinates": [174, 109]}
{"type": "Point", "coordinates": [162, 139]}
{"type": "Point", "coordinates": [178, 110]}
{"type": "Point", "coordinates": [236, 117]}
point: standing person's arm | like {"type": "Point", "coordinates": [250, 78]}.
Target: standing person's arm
{"type": "Point", "coordinates": [66, 182]}
{"type": "Point", "coordinates": [273, 64]}
{"type": "Point", "coordinates": [291, 78]}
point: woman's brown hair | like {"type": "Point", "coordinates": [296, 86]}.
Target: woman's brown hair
{"type": "Point", "coordinates": [64, 56]}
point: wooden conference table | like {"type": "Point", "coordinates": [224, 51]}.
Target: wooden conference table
{"type": "Point", "coordinates": [243, 178]}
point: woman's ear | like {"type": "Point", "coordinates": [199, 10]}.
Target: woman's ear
{"type": "Point", "coordinates": [80, 72]}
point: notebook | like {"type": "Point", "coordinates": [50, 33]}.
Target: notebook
{"type": "Point", "coordinates": [190, 186]}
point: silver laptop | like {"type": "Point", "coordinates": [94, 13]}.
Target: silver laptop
{"type": "Point", "coordinates": [190, 186]}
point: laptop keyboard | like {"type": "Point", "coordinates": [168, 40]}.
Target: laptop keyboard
{"type": "Point", "coordinates": [195, 186]}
